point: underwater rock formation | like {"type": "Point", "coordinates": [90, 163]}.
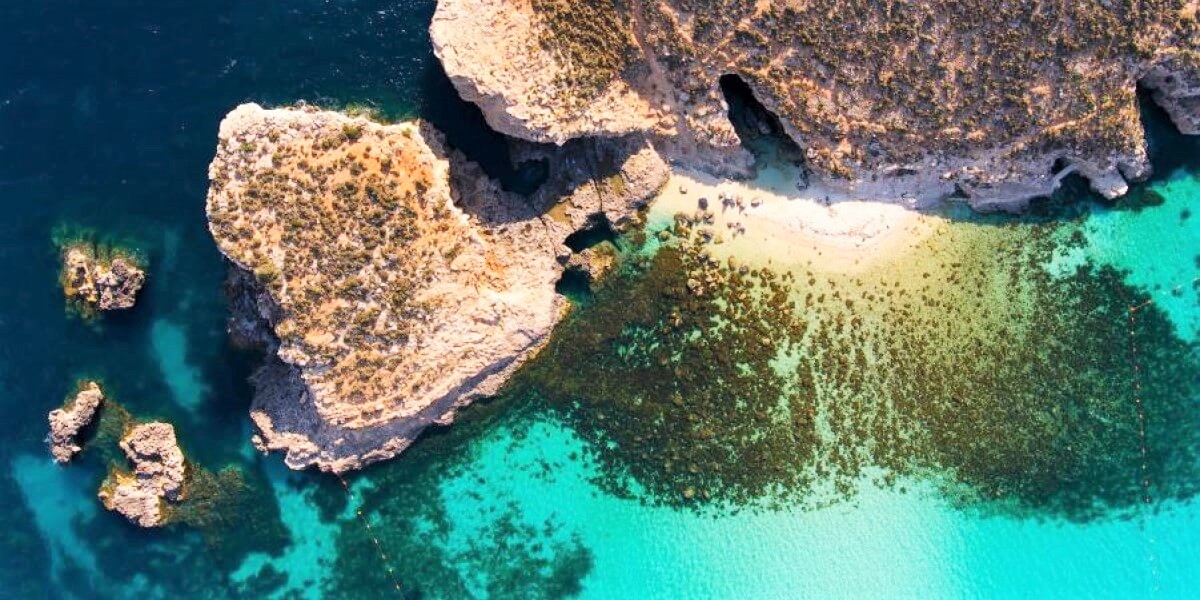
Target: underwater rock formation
{"type": "Point", "coordinates": [100, 283]}
{"type": "Point", "coordinates": [906, 102]}
{"type": "Point", "coordinates": [157, 477]}
{"type": "Point", "coordinates": [389, 279]}
{"type": "Point", "coordinates": [68, 421]}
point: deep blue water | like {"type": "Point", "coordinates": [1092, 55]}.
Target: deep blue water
{"type": "Point", "coordinates": [108, 113]}
{"type": "Point", "coordinates": [108, 116]}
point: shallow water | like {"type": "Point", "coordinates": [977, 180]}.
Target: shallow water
{"type": "Point", "coordinates": [107, 122]}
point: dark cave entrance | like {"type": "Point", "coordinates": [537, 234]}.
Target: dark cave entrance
{"type": "Point", "coordinates": [760, 130]}
{"type": "Point", "coordinates": [597, 230]}
{"type": "Point", "coordinates": [576, 285]}
{"type": "Point", "coordinates": [576, 282]}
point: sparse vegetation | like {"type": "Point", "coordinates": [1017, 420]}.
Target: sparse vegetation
{"type": "Point", "coordinates": [869, 83]}
{"type": "Point", "coordinates": [593, 40]}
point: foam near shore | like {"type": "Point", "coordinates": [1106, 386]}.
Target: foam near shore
{"type": "Point", "coordinates": [769, 221]}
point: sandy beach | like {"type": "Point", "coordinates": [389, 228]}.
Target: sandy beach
{"type": "Point", "coordinates": [769, 221]}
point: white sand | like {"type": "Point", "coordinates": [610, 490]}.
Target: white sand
{"type": "Point", "coordinates": [796, 229]}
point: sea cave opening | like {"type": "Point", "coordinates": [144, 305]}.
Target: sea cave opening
{"type": "Point", "coordinates": [576, 285]}
{"type": "Point", "coordinates": [761, 131]}
{"type": "Point", "coordinates": [597, 230]}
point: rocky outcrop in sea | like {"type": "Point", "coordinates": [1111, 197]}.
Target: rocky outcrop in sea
{"type": "Point", "coordinates": [99, 283]}
{"type": "Point", "coordinates": [390, 280]}
{"type": "Point", "coordinates": [68, 421]}
{"type": "Point", "coordinates": [157, 477]}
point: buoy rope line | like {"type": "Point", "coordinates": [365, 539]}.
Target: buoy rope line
{"type": "Point", "coordinates": [1140, 407]}
{"type": "Point", "coordinates": [1148, 538]}
{"type": "Point", "coordinates": [366, 523]}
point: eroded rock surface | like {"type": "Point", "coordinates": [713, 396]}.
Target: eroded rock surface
{"type": "Point", "coordinates": [391, 281]}
{"type": "Point", "coordinates": [68, 421]}
{"type": "Point", "coordinates": [98, 283]}
{"type": "Point", "coordinates": [157, 478]}
{"type": "Point", "coordinates": [900, 101]}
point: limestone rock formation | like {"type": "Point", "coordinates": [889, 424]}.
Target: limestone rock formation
{"type": "Point", "coordinates": [100, 283]}
{"type": "Point", "coordinates": [157, 477]}
{"type": "Point", "coordinates": [389, 279]}
{"type": "Point", "coordinates": [900, 101]}
{"type": "Point", "coordinates": [68, 421]}
{"type": "Point", "coordinates": [613, 108]}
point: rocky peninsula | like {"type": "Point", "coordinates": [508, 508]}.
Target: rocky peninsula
{"type": "Point", "coordinates": [68, 421]}
{"type": "Point", "coordinates": [391, 282]}
{"type": "Point", "coordinates": [389, 279]}
{"type": "Point", "coordinates": [157, 476]}
{"type": "Point", "coordinates": [100, 281]}
{"type": "Point", "coordinates": [906, 102]}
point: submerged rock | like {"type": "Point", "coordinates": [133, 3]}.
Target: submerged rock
{"type": "Point", "coordinates": [100, 283]}
{"type": "Point", "coordinates": [909, 102]}
{"type": "Point", "coordinates": [390, 280]}
{"type": "Point", "coordinates": [68, 421]}
{"type": "Point", "coordinates": [157, 477]}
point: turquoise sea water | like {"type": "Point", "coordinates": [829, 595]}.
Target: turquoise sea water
{"type": "Point", "coordinates": [108, 116]}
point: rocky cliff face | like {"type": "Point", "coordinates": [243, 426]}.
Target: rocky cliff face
{"type": "Point", "coordinates": [68, 421]}
{"type": "Point", "coordinates": [390, 280]}
{"type": "Point", "coordinates": [157, 476]}
{"type": "Point", "coordinates": [897, 101]}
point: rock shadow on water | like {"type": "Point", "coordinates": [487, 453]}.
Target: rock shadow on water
{"type": "Point", "coordinates": [55, 501]}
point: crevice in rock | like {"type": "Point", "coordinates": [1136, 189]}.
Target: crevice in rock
{"type": "Point", "coordinates": [465, 129]}
{"type": "Point", "coordinates": [1174, 87]}
{"type": "Point", "coordinates": [1168, 147]}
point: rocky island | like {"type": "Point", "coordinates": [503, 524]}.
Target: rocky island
{"type": "Point", "coordinates": [389, 279]}
{"type": "Point", "coordinates": [909, 102]}
{"type": "Point", "coordinates": [66, 422]}
{"type": "Point", "coordinates": [157, 476]}
{"type": "Point", "coordinates": [96, 280]}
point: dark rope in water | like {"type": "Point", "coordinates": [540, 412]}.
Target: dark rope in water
{"type": "Point", "coordinates": [1139, 405]}
{"type": "Point", "coordinates": [383, 557]}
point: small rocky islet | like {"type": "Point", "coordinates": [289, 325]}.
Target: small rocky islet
{"type": "Point", "coordinates": [157, 477]}
{"type": "Point", "coordinates": [158, 464]}
{"type": "Point", "coordinates": [100, 279]}
{"type": "Point", "coordinates": [150, 481]}
{"type": "Point", "coordinates": [67, 422]}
